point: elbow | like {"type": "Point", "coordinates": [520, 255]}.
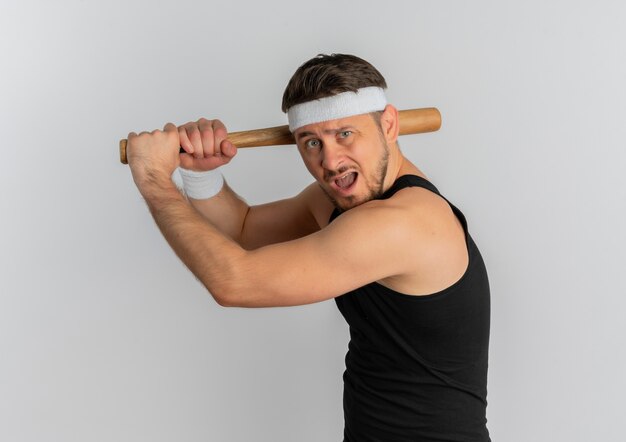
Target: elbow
{"type": "Point", "coordinates": [234, 295]}
{"type": "Point", "coordinates": [225, 282]}
{"type": "Point", "coordinates": [221, 295]}
{"type": "Point", "coordinates": [225, 301]}
{"type": "Point", "coordinates": [234, 285]}
{"type": "Point", "coordinates": [226, 294]}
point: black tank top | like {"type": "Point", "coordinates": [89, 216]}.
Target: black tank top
{"type": "Point", "coordinates": [416, 367]}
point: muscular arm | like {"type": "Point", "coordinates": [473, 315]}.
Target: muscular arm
{"type": "Point", "coordinates": [376, 241]}
{"type": "Point", "coordinates": [361, 246]}
{"type": "Point", "coordinates": [256, 226]}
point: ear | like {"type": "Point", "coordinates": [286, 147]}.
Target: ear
{"type": "Point", "coordinates": [390, 123]}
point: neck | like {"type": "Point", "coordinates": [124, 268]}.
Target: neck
{"type": "Point", "coordinates": [398, 165]}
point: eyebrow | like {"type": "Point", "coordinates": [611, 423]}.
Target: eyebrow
{"type": "Point", "coordinates": [327, 131]}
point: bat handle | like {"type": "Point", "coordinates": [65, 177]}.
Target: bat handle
{"type": "Point", "coordinates": [412, 121]}
{"type": "Point", "coordinates": [269, 136]}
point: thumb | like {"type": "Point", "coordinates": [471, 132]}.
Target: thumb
{"type": "Point", "coordinates": [228, 149]}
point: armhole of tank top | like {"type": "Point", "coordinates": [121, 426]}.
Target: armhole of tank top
{"type": "Point", "coordinates": [416, 181]}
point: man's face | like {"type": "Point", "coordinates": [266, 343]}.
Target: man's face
{"type": "Point", "coordinates": [348, 157]}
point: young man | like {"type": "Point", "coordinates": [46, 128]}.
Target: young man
{"type": "Point", "coordinates": [371, 232]}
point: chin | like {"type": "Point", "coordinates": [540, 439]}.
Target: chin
{"type": "Point", "coordinates": [352, 201]}
{"type": "Point", "coordinates": [343, 203]}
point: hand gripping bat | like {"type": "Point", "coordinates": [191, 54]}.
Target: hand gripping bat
{"type": "Point", "coordinates": [412, 121]}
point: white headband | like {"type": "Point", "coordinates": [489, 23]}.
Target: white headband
{"type": "Point", "coordinates": [345, 104]}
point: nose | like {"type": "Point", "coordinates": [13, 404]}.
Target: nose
{"type": "Point", "coordinates": [333, 155]}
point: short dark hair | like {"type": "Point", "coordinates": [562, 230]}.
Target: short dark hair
{"type": "Point", "coordinates": [328, 75]}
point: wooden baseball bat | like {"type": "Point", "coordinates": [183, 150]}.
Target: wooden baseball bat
{"type": "Point", "coordinates": [412, 121]}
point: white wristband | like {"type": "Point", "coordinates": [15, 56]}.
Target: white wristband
{"type": "Point", "coordinates": [201, 185]}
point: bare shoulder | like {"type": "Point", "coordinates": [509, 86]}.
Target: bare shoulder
{"type": "Point", "coordinates": [317, 203]}
{"type": "Point", "coordinates": [412, 208]}
{"type": "Point", "coordinates": [433, 241]}
{"type": "Point", "coordinates": [410, 243]}
{"type": "Point", "coordinates": [424, 207]}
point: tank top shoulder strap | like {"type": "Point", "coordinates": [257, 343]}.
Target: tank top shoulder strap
{"type": "Point", "coordinates": [409, 181]}
{"type": "Point", "coordinates": [412, 181]}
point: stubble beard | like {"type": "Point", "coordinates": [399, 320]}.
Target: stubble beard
{"type": "Point", "coordinates": [374, 190]}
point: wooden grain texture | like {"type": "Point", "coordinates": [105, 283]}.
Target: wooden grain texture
{"type": "Point", "coordinates": [412, 121]}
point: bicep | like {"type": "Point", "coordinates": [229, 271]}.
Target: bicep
{"type": "Point", "coordinates": [351, 252]}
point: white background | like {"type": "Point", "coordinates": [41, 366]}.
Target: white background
{"type": "Point", "coordinates": [105, 336]}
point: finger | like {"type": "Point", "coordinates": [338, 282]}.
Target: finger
{"type": "Point", "coordinates": [207, 136]}
{"type": "Point", "coordinates": [193, 133]}
{"type": "Point", "coordinates": [171, 132]}
{"type": "Point", "coordinates": [129, 144]}
{"type": "Point", "coordinates": [185, 143]}
{"type": "Point", "coordinates": [220, 134]}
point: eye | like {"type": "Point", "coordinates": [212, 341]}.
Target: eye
{"type": "Point", "coordinates": [345, 133]}
{"type": "Point", "coordinates": [313, 143]}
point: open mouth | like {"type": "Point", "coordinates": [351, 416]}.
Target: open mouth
{"type": "Point", "coordinates": [345, 181]}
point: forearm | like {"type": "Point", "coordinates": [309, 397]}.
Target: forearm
{"type": "Point", "coordinates": [210, 255]}
{"type": "Point", "coordinates": [226, 211]}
